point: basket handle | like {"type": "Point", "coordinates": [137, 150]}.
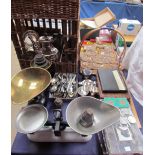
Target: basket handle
{"type": "Point", "coordinates": [120, 56]}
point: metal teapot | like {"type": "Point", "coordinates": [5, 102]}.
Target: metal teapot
{"type": "Point", "coordinates": [50, 52]}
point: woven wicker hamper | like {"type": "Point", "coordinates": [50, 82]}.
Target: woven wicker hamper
{"type": "Point", "coordinates": [50, 16]}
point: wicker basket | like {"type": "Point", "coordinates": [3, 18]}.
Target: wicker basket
{"type": "Point", "coordinates": [110, 60]}
{"type": "Point", "coordinates": [50, 16]}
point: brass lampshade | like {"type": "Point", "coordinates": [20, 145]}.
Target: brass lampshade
{"type": "Point", "coordinates": [28, 83]}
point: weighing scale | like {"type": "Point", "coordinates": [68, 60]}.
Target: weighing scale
{"type": "Point", "coordinates": [84, 115]}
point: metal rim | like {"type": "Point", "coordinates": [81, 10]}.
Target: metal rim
{"type": "Point", "coordinates": [49, 65]}
{"type": "Point", "coordinates": [39, 91]}
{"type": "Point", "coordinates": [28, 107]}
{"type": "Point", "coordinates": [93, 132]}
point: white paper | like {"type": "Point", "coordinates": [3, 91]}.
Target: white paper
{"type": "Point", "coordinates": [127, 148]}
{"type": "Point", "coordinates": [103, 19]}
{"type": "Point", "coordinates": [118, 80]}
{"type": "Point", "coordinates": [89, 23]}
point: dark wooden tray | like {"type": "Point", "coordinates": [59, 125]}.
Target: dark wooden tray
{"type": "Point", "coordinates": [103, 94]}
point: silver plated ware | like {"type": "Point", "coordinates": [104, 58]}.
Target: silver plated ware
{"type": "Point", "coordinates": [63, 85]}
{"type": "Point", "coordinates": [86, 72]}
{"type": "Point", "coordinates": [31, 118]}
{"type": "Point", "coordinates": [82, 91]}
{"type": "Point", "coordinates": [53, 88]}
{"type": "Point", "coordinates": [54, 80]}
{"type": "Point", "coordinates": [104, 114]}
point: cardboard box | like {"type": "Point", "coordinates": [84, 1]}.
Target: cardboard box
{"type": "Point", "coordinates": [102, 18]}
{"type": "Point", "coordinates": [133, 1]}
{"type": "Point", "coordinates": [129, 27]}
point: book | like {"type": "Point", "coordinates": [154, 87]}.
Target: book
{"type": "Point", "coordinates": [117, 102]}
{"type": "Point", "coordinates": [111, 81]}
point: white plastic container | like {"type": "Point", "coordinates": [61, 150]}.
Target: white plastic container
{"type": "Point", "coordinates": [129, 27]}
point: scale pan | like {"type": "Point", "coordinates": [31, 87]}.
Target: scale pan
{"type": "Point", "coordinates": [28, 83]}
{"type": "Point", "coordinates": [31, 118]}
{"type": "Point", "coordinates": [104, 115]}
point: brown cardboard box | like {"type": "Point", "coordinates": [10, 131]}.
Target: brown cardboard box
{"type": "Point", "coordinates": [100, 19]}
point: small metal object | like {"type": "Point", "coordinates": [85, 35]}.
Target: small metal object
{"type": "Point", "coordinates": [31, 118]}
{"type": "Point", "coordinates": [40, 61]}
{"type": "Point", "coordinates": [82, 91]}
{"type": "Point", "coordinates": [87, 118]}
{"type": "Point", "coordinates": [39, 99]}
{"type": "Point", "coordinates": [58, 102]}
{"type": "Point", "coordinates": [53, 88]}
{"type": "Point", "coordinates": [70, 92]}
{"type": "Point", "coordinates": [93, 90]}
{"type": "Point", "coordinates": [65, 84]}
{"type": "Point", "coordinates": [87, 82]}
{"type": "Point", "coordinates": [124, 131]}
{"type": "Point", "coordinates": [30, 38]}
{"type": "Point", "coordinates": [123, 120]}
{"type": "Point", "coordinates": [50, 52]}
{"type": "Point", "coordinates": [62, 88]}
{"type": "Point", "coordinates": [132, 119]}
{"type": "Point", "coordinates": [85, 88]}
{"type": "Point", "coordinates": [80, 83]}
{"type": "Point", "coordinates": [54, 80]}
{"type": "Point", "coordinates": [86, 72]}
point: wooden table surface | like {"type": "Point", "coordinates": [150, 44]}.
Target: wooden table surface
{"type": "Point", "coordinates": [127, 95]}
{"type": "Point", "coordinates": [134, 112]}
